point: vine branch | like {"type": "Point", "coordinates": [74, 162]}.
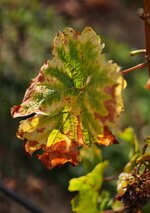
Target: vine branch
{"type": "Point", "coordinates": [147, 30]}
{"type": "Point", "coordinates": [139, 66]}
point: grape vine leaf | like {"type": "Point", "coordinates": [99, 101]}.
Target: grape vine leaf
{"type": "Point", "coordinates": [128, 136]}
{"type": "Point", "coordinates": [75, 99]}
{"type": "Point", "coordinates": [88, 188]}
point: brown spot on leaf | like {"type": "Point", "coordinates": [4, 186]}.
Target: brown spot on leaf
{"type": "Point", "coordinates": [33, 83]}
{"type": "Point", "coordinates": [31, 146]}
{"type": "Point", "coordinates": [40, 130]}
{"type": "Point", "coordinates": [110, 105]}
{"type": "Point", "coordinates": [80, 137]}
{"type": "Point", "coordinates": [29, 92]}
{"type": "Point", "coordinates": [20, 134]}
{"type": "Point", "coordinates": [59, 154]}
{"type": "Point", "coordinates": [107, 138]}
{"type": "Point", "coordinates": [41, 77]}
{"type": "Point", "coordinates": [14, 110]}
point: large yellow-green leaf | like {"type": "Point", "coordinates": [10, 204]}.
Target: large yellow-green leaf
{"type": "Point", "coordinates": [76, 96]}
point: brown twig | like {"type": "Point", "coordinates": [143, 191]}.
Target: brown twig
{"type": "Point", "coordinates": [114, 211]}
{"type": "Point", "coordinates": [147, 29]}
{"type": "Point", "coordinates": [110, 178]}
{"type": "Point", "coordinates": [139, 66]}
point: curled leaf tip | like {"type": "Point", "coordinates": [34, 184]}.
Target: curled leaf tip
{"type": "Point", "coordinates": [107, 138]}
{"type": "Point", "coordinates": [14, 111]}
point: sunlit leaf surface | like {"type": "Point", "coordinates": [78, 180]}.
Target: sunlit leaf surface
{"type": "Point", "coordinates": [75, 100]}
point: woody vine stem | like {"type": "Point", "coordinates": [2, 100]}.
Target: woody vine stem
{"type": "Point", "coordinates": [147, 29]}
{"type": "Point", "coordinates": [144, 14]}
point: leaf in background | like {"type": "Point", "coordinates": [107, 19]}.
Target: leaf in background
{"type": "Point", "coordinates": [90, 157]}
{"type": "Point", "coordinates": [105, 200]}
{"type": "Point", "coordinates": [145, 154]}
{"type": "Point", "coordinates": [128, 136]}
{"type": "Point", "coordinates": [77, 93]}
{"type": "Point", "coordinates": [148, 141]}
{"type": "Point", "coordinates": [88, 187]}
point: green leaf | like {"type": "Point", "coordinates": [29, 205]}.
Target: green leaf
{"type": "Point", "coordinates": [128, 135]}
{"type": "Point", "coordinates": [78, 89]}
{"type": "Point", "coordinates": [105, 200]}
{"type": "Point", "coordinates": [88, 187]}
{"type": "Point", "coordinates": [148, 141]}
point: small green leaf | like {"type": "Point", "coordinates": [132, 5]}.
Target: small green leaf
{"type": "Point", "coordinates": [88, 187]}
{"type": "Point", "coordinates": [128, 135]}
{"type": "Point", "coordinates": [105, 200]}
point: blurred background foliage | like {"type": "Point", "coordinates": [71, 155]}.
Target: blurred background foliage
{"type": "Point", "coordinates": [27, 29]}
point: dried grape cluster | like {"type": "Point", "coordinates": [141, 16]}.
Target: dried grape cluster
{"type": "Point", "coordinates": [134, 187]}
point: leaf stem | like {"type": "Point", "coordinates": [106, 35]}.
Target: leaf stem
{"type": "Point", "coordinates": [136, 52]}
{"type": "Point", "coordinates": [139, 66]}
{"type": "Point", "coordinates": [110, 178]}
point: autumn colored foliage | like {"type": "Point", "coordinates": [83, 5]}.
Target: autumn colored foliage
{"type": "Point", "coordinates": [74, 101]}
{"type": "Point", "coordinates": [71, 107]}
